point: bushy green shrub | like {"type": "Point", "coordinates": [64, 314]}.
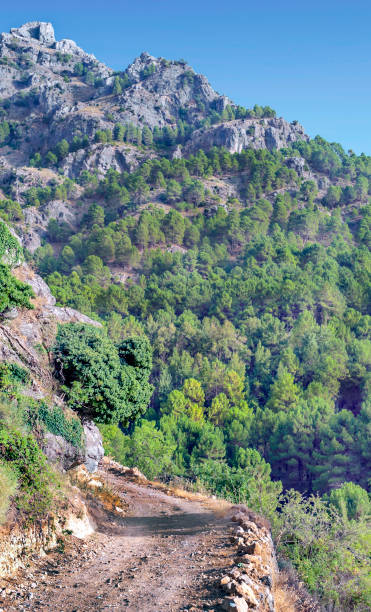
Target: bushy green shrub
{"type": "Point", "coordinates": [331, 554]}
{"type": "Point", "coordinates": [250, 484]}
{"type": "Point", "coordinates": [351, 501]}
{"type": "Point", "coordinates": [10, 249]}
{"type": "Point", "coordinates": [12, 374]}
{"type": "Point", "coordinates": [8, 487]}
{"type": "Point", "coordinates": [102, 381]}
{"type": "Point", "coordinates": [12, 411]}
{"type": "Point", "coordinates": [54, 420]}
{"type": "Point", "coordinates": [147, 448]}
{"type": "Point", "coordinates": [36, 480]}
{"type": "Point", "coordinates": [13, 292]}
{"type": "Point", "coordinates": [115, 442]}
{"type": "Point", "coordinates": [58, 424]}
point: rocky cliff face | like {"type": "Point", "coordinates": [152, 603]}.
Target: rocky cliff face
{"type": "Point", "coordinates": [53, 90]}
{"type": "Point", "coordinates": [162, 97]}
{"type": "Point", "coordinates": [272, 133]}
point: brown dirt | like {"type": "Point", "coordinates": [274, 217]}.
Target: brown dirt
{"type": "Point", "coordinates": [166, 554]}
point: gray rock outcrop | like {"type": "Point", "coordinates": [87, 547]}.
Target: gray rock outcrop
{"type": "Point", "coordinates": [94, 450]}
{"type": "Point", "coordinates": [296, 163]}
{"type": "Point", "coordinates": [61, 453]}
{"type": "Point", "coordinates": [270, 133]}
{"type": "Point", "coordinates": [67, 456]}
{"type": "Point", "coordinates": [38, 30]}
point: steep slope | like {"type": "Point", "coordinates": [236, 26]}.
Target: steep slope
{"type": "Point", "coordinates": [27, 338]}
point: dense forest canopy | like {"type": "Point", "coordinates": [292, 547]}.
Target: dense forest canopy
{"type": "Point", "coordinates": [257, 309]}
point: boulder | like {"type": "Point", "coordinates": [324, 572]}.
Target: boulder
{"type": "Point", "coordinates": [238, 604]}
{"type": "Point", "coordinates": [60, 452]}
{"type": "Point", "coordinates": [247, 593]}
{"type": "Point", "coordinates": [94, 450]}
{"type": "Point", "coordinates": [66, 456]}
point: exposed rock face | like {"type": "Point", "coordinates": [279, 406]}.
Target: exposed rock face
{"type": "Point", "coordinates": [39, 30]}
{"type": "Point", "coordinates": [100, 158]}
{"type": "Point", "coordinates": [17, 543]}
{"type": "Point", "coordinates": [66, 456]}
{"type": "Point", "coordinates": [10, 314]}
{"type": "Point", "coordinates": [145, 60]}
{"type": "Point", "coordinates": [26, 339]}
{"type": "Point", "coordinates": [296, 163]}
{"type": "Point", "coordinates": [272, 133]}
{"type": "Point", "coordinates": [157, 100]}
{"type": "Point", "coordinates": [46, 308]}
{"type": "Point", "coordinates": [22, 337]}
{"type": "Point", "coordinates": [60, 452]}
{"type": "Point", "coordinates": [94, 451]}
{"type": "Point", "coordinates": [70, 47]}
{"type": "Point", "coordinates": [36, 220]}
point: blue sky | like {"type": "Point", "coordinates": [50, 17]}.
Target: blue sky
{"type": "Point", "coordinates": [310, 61]}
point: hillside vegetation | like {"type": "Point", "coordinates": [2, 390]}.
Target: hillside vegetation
{"type": "Point", "coordinates": [233, 248]}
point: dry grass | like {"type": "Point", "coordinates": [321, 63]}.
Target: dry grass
{"type": "Point", "coordinates": [109, 499]}
{"type": "Point", "coordinates": [97, 487]}
{"type": "Point", "coordinates": [219, 506]}
{"type": "Point", "coordinates": [94, 110]}
{"type": "Point", "coordinates": [290, 595]}
{"type": "Point", "coordinates": [284, 600]}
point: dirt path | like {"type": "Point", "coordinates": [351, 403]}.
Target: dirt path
{"type": "Point", "coordinates": [166, 555]}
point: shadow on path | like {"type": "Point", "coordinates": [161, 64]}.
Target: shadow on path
{"type": "Point", "coordinates": [185, 524]}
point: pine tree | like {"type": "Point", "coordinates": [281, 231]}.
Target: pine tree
{"type": "Point", "coordinates": [284, 392]}
{"type": "Point", "coordinates": [147, 136]}
{"type": "Point", "coordinates": [117, 88]}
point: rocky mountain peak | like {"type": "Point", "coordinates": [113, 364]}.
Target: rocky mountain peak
{"type": "Point", "coordinates": [38, 30]}
{"type": "Point", "coordinates": [136, 68]}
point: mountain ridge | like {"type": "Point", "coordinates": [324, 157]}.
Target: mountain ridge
{"type": "Point", "coordinates": [61, 82]}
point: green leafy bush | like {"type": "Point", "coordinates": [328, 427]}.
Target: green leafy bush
{"type": "Point", "coordinates": [115, 442]}
{"type": "Point", "coordinates": [21, 452]}
{"type": "Point", "coordinates": [331, 554]}
{"type": "Point", "coordinates": [351, 501]}
{"type": "Point", "coordinates": [10, 249]}
{"type": "Point", "coordinates": [147, 448]}
{"type": "Point", "coordinates": [13, 292]}
{"type": "Point", "coordinates": [57, 423]}
{"type": "Point", "coordinates": [103, 381]}
{"type": "Point", "coordinates": [250, 484]}
{"type": "Point", "coordinates": [12, 375]}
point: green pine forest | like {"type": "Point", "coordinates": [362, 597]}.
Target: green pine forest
{"type": "Point", "coordinates": [251, 317]}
